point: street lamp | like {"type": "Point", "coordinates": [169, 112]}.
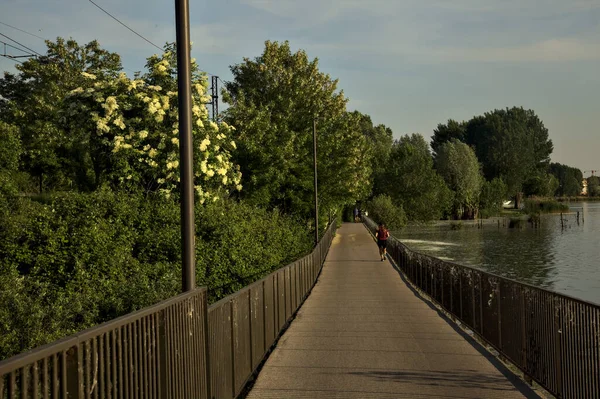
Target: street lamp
{"type": "Point", "coordinates": [315, 167]}
{"type": "Point", "coordinates": [182, 28]}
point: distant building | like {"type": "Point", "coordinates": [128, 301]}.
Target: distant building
{"type": "Point", "coordinates": [584, 184]}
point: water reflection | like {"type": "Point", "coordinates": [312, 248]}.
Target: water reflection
{"type": "Point", "coordinates": [563, 259]}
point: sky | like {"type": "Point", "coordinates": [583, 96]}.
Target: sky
{"type": "Point", "coordinates": [410, 64]}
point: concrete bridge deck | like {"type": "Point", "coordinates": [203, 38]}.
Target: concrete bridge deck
{"type": "Point", "coordinates": [363, 333]}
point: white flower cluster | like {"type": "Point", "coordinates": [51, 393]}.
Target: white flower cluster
{"type": "Point", "coordinates": [140, 123]}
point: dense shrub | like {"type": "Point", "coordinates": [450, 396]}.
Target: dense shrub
{"type": "Point", "coordinates": [238, 243]}
{"type": "Point", "coordinates": [382, 210]}
{"type": "Point", "coordinates": [70, 261]}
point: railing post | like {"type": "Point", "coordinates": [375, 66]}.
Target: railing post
{"type": "Point", "coordinates": [558, 312]}
{"type": "Point", "coordinates": [207, 364]}
{"type": "Point", "coordinates": [474, 326]}
{"type": "Point", "coordinates": [481, 304]}
{"type": "Point", "coordinates": [74, 369]}
{"type": "Point", "coordinates": [499, 316]}
{"type": "Point", "coordinates": [460, 295]}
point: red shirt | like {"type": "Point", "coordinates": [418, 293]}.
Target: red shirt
{"type": "Point", "coordinates": [382, 234]}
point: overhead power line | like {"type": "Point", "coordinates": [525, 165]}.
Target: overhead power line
{"type": "Point", "coordinates": [116, 19]}
{"type": "Point", "coordinates": [21, 30]}
{"type": "Point", "coordinates": [14, 41]}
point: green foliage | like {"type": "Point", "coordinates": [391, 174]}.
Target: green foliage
{"type": "Point", "coordinates": [540, 205]}
{"type": "Point", "coordinates": [10, 152]}
{"type": "Point", "coordinates": [492, 197]}
{"type": "Point", "coordinates": [273, 102]}
{"type": "Point", "coordinates": [570, 179]}
{"type": "Point", "coordinates": [457, 163]}
{"type": "Point", "coordinates": [382, 210]}
{"type": "Point", "coordinates": [451, 131]}
{"type": "Point", "coordinates": [541, 185]}
{"type": "Point", "coordinates": [70, 261]}
{"type": "Point", "coordinates": [239, 243]}
{"type": "Point", "coordinates": [380, 140]}
{"type": "Point", "coordinates": [411, 181]}
{"type": "Point", "coordinates": [593, 186]}
{"type": "Point", "coordinates": [34, 100]}
{"type": "Point", "coordinates": [511, 144]}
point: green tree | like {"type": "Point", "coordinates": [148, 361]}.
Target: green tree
{"type": "Point", "coordinates": [380, 139]}
{"type": "Point", "coordinates": [457, 163]}
{"type": "Point", "coordinates": [541, 185]}
{"type": "Point", "coordinates": [412, 182]}
{"type": "Point", "coordinates": [492, 197]}
{"type": "Point", "coordinates": [593, 186]}
{"type": "Point", "coordinates": [33, 100]}
{"type": "Point", "coordinates": [570, 179]}
{"type": "Point", "coordinates": [131, 127]}
{"type": "Point", "coordinates": [383, 210]}
{"type": "Point", "coordinates": [510, 143]}
{"type": "Point", "coordinates": [274, 99]}
{"type": "Point", "coordinates": [10, 153]}
{"type": "Point", "coordinates": [453, 130]}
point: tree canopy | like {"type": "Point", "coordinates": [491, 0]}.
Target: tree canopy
{"type": "Point", "coordinates": [511, 144]}
{"type": "Point", "coordinates": [457, 163]}
{"type": "Point", "coordinates": [570, 179]}
{"type": "Point", "coordinates": [410, 180]}
{"type": "Point", "coordinates": [33, 100]}
{"type": "Point", "coordinates": [274, 99]}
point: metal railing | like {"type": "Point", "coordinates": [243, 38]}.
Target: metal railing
{"type": "Point", "coordinates": [150, 353]}
{"type": "Point", "coordinates": [553, 338]}
{"type": "Point", "coordinates": [244, 326]}
{"type": "Point", "coordinates": [179, 348]}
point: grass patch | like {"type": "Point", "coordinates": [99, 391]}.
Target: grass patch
{"type": "Point", "coordinates": [544, 205]}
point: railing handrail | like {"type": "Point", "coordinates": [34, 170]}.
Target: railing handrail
{"type": "Point", "coordinates": [529, 285]}
{"type": "Point", "coordinates": [68, 342]}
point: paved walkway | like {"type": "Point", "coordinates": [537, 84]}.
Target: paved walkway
{"type": "Point", "coordinates": [363, 333]}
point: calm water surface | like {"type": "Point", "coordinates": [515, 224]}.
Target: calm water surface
{"type": "Point", "coordinates": [565, 260]}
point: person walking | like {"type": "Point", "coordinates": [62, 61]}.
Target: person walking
{"type": "Point", "coordinates": [382, 235]}
{"type": "Point", "coordinates": [355, 214]}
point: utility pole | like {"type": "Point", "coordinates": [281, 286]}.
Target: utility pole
{"type": "Point", "coordinates": [184, 77]}
{"type": "Point", "coordinates": [315, 165]}
{"type": "Point", "coordinates": [215, 98]}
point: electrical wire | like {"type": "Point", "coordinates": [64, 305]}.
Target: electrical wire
{"type": "Point", "coordinates": [21, 30]}
{"type": "Point", "coordinates": [14, 41]}
{"type": "Point", "coordinates": [115, 18]}
{"type": "Point", "coordinates": [107, 13]}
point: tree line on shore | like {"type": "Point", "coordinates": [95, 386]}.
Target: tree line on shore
{"type": "Point", "coordinates": [89, 179]}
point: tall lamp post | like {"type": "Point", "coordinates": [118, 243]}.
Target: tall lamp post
{"type": "Point", "coordinates": [182, 27]}
{"type": "Point", "coordinates": [315, 166]}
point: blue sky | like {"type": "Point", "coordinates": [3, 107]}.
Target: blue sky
{"type": "Point", "coordinates": [409, 64]}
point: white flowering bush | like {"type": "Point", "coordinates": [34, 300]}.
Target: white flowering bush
{"type": "Point", "coordinates": [133, 127]}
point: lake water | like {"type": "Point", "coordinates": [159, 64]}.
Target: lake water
{"type": "Point", "coordinates": [564, 260]}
